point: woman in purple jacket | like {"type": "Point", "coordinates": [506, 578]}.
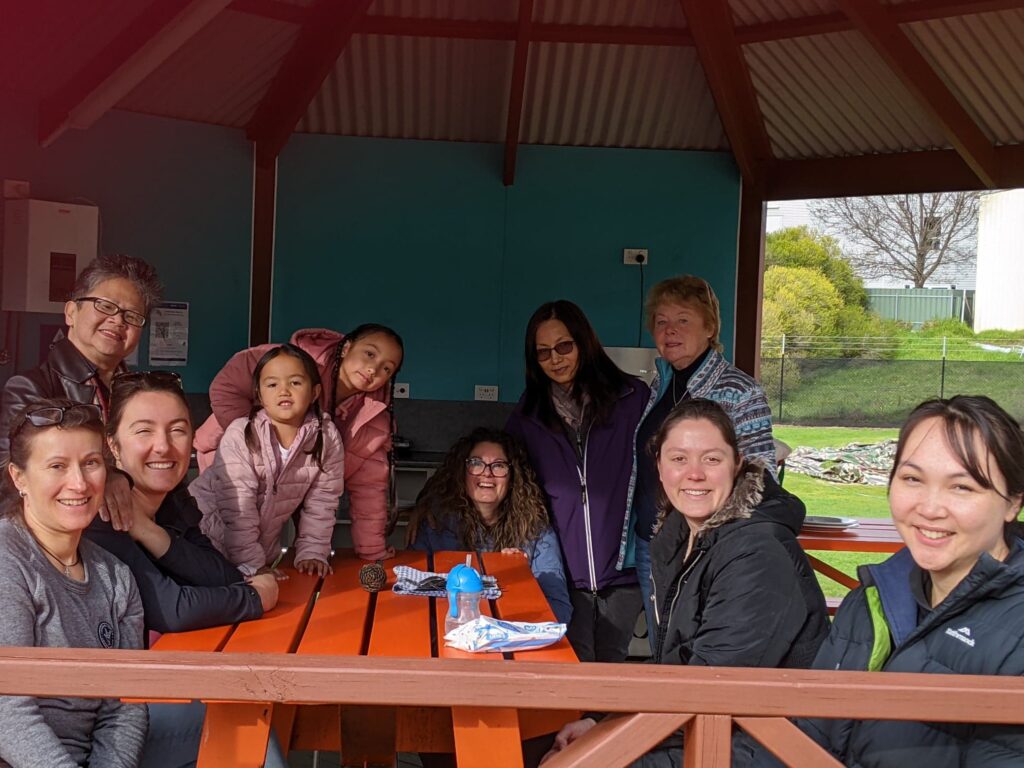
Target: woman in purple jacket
{"type": "Point", "coordinates": [577, 419]}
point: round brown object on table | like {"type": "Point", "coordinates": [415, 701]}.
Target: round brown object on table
{"type": "Point", "coordinates": [373, 577]}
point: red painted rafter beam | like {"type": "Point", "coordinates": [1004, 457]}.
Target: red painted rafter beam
{"type": "Point", "coordinates": [517, 90]}
{"type": "Point", "coordinates": [820, 24]}
{"type": "Point", "coordinates": [326, 32]}
{"type": "Point", "coordinates": [145, 44]}
{"type": "Point", "coordinates": [928, 89]}
{"type": "Point", "coordinates": [710, 23]}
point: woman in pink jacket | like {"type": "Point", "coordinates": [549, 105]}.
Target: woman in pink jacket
{"type": "Point", "coordinates": [355, 371]}
{"type": "Point", "coordinates": [285, 455]}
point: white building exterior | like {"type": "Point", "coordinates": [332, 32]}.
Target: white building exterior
{"type": "Point", "coordinates": [1000, 261]}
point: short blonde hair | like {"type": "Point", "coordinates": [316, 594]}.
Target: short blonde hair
{"type": "Point", "coordinates": [687, 289]}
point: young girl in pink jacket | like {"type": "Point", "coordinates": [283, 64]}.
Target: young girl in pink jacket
{"type": "Point", "coordinates": [286, 454]}
{"type": "Point", "coordinates": [355, 373]}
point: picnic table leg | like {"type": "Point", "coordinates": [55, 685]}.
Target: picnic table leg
{"type": "Point", "coordinates": [368, 735]}
{"type": "Point", "coordinates": [283, 723]}
{"type": "Point", "coordinates": [708, 742]}
{"type": "Point", "coordinates": [487, 736]}
{"type": "Point", "coordinates": [235, 735]}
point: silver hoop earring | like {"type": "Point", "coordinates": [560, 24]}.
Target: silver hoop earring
{"type": "Point", "coordinates": [22, 494]}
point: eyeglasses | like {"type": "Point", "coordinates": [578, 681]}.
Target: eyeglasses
{"type": "Point", "coordinates": [53, 415]}
{"type": "Point", "coordinates": [107, 307]}
{"type": "Point", "coordinates": [477, 467]}
{"type": "Point", "coordinates": [154, 378]}
{"type": "Point", "coordinates": [563, 348]}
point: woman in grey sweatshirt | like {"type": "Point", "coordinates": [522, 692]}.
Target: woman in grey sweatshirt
{"type": "Point", "coordinates": [62, 591]}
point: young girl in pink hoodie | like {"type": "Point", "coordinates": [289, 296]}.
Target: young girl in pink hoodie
{"type": "Point", "coordinates": [356, 373]}
{"type": "Point", "coordinates": [286, 454]}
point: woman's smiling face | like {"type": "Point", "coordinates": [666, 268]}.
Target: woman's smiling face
{"type": "Point", "coordinates": [946, 518]}
{"type": "Point", "coordinates": [697, 468]}
{"type": "Point", "coordinates": [153, 443]}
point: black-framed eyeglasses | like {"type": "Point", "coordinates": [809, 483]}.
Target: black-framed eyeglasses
{"type": "Point", "coordinates": [155, 378]}
{"type": "Point", "coordinates": [563, 348]}
{"type": "Point", "coordinates": [53, 415]}
{"type": "Point", "coordinates": [499, 468]}
{"type": "Point", "coordinates": [107, 307]}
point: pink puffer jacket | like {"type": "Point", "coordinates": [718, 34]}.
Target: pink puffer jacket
{"type": "Point", "coordinates": [247, 496]}
{"type": "Point", "coordinates": [362, 419]}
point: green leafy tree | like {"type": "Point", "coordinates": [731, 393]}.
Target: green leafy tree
{"type": "Point", "coordinates": [801, 247]}
{"type": "Point", "coordinates": [799, 301]}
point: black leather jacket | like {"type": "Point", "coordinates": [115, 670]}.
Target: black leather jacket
{"type": "Point", "coordinates": [66, 373]}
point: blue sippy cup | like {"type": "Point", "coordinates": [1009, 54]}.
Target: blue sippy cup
{"type": "Point", "coordinates": [464, 587]}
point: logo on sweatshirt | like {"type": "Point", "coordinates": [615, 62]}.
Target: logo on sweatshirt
{"type": "Point", "coordinates": [963, 635]}
{"type": "Point", "coordinates": [105, 633]}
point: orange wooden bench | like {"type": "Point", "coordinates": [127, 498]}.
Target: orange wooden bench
{"type": "Point", "coordinates": [336, 617]}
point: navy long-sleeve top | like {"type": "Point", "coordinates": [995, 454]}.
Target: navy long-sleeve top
{"type": "Point", "coordinates": [192, 586]}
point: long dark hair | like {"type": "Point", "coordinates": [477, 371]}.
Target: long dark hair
{"type": "Point", "coordinates": [360, 331]}
{"type": "Point", "coordinates": [252, 440]}
{"type": "Point", "coordinates": [23, 432]}
{"type": "Point", "coordinates": [522, 516]}
{"type": "Point", "coordinates": [596, 374]}
{"type": "Point", "coordinates": [126, 386]}
{"type": "Point", "coordinates": [965, 418]}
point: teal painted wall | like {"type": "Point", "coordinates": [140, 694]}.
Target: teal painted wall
{"type": "Point", "coordinates": [174, 193]}
{"type": "Point", "coordinates": [423, 236]}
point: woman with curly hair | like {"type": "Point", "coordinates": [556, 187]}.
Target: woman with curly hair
{"type": "Point", "coordinates": [485, 497]}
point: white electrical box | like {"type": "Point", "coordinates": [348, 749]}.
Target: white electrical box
{"type": "Point", "coordinates": [46, 245]}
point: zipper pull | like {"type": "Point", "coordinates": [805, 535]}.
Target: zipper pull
{"type": "Point", "coordinates": [583, 490]}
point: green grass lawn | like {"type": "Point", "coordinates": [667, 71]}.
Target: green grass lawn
{"type": "Point", "coordinates": [838, 500]}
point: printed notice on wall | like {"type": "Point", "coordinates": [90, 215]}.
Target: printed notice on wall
{"type": "Point", "coordinates": [168, 335]}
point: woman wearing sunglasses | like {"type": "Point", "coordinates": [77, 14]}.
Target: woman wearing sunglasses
{"type": "Point", "coordinates": [109, 304]}
{"type": "Point", "coordinates": [485, 498]}
{"type": "Point", "coordinates": [577, 419]}
{"type": "Point", "coordinates": [61, 591]}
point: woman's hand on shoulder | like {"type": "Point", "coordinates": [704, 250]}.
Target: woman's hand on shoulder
{"type": "Point", "coordinates": [117, 502]}
{"type": "Point", "coordinates": [313, 567]}
{"type": "Point", "coordinates": [266, 587]}
{"type": "Point", "coordinates": [569, 733]}
{"type": "Point", "coordinates": [513, 551]}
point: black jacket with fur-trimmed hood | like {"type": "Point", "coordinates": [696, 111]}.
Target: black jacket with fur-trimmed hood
{"type": "Point", "coordinates": [746, 595]}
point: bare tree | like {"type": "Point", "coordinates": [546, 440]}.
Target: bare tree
{"type": "Point", "coordinates": [907, 237]}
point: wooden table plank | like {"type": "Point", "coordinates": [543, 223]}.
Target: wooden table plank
{"type": "Point", "coordinates": [871, 535]}
{"type": "Point", "coordinates": [338, 625]}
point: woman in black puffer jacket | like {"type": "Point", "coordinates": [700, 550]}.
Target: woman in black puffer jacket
{"type": "Point", "coordinates": [732, 586]}
{"type": "Point", "coordinates": [952, 602]}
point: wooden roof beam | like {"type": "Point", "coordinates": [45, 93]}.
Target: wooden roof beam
{"type": "Point", "coordinates": [928, 89]}
{"type": "Point", "coordinates": [517, 90]}
{"type": "Point", "coordinates": [145, 44]}
{"type": "Point", "coordinates": [889, 174]}
{"type": "Point", "coordinates": [710, 23]}
{"type": "Point", "coordinates": [325, 34]}
{"type": "Point", "coordinates": [465, 29]}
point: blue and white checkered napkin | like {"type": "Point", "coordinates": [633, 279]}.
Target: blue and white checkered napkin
{"type": "Point", "coordinates": [410, 581]}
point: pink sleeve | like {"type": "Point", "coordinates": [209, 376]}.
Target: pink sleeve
{"type": "Point", "coordinates": [235, 488]}
{"type": "Point", "coordinates": [367, 485]}
{"type": "Point", "coordinates": [231, 388]}
{"type": "Point", "coordinates": [320, 506]}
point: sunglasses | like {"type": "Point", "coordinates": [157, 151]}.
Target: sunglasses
{"type": "Point", "coordinates": [563, 348]}
{"type": "Point", "coordinates": [153, 378]}
{"type": "Point", "coordinates": [53, 415]}
{"type": "Point", "coordinates": [107, 307]}
{"type": "Point", "coordinates": [477, 467]}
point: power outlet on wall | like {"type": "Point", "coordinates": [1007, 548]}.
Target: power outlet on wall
{"type": "Point", "coordinates": [634, 256]}
{"type": "Point", "coordinates": [485, 392]}
{"type": "Point", "coordinates": [402, 389]}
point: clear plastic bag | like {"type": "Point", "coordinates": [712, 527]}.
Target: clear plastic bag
{"type": "Point", "coordinates": [488, 634]}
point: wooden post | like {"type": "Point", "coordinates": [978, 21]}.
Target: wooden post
{"type": "Point", "coordinates": [264, 214]}
{"type": "Point", "coordinates": [749, 279]}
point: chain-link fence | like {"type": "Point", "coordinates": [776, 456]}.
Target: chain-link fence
{"type": "Point", "coordinates": [880, 393]}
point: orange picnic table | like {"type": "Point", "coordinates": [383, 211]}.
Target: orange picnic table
{"type": "Point", "coordinates": [336, 617]}
{"type": "Point", "coordinates": [871, 534]}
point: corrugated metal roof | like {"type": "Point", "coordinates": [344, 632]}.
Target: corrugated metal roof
{"type": "Point", "coordinates": [619, 96]}
{"type": "Point", "coordinates": [746, 12]}
{"type": "Point", "coordinates": [981, 58]}
{"type": "Point", "coordinates": [220, 75]}
{"type": "Point", "coordinates": [831, 95]}
{"type": "Point", "coordinates": [46, 41]}
{"type": "Point", "coordinates": [636, 13]}
{"type": "Point", "coordinates": [473, 10]}
{"type": "Point", "coordinates": [414, 88]}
